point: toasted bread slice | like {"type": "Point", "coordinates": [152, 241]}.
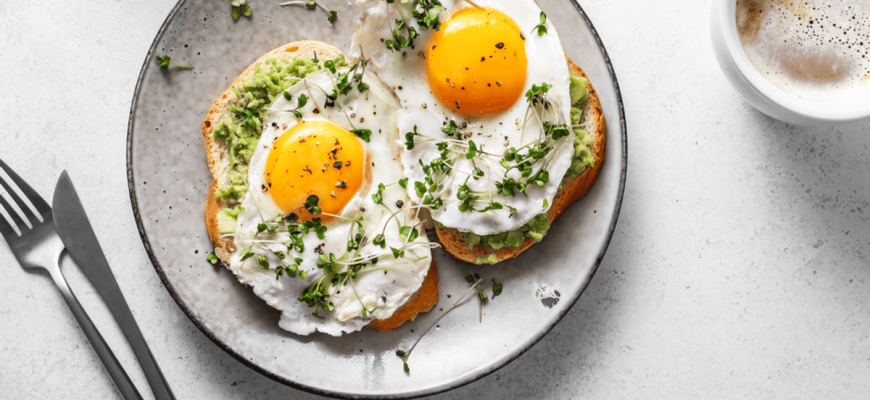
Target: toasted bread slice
{"type": "Point", "coordinates": [574, 189]}
{"type": "Point", "coordinates": [218, 162]}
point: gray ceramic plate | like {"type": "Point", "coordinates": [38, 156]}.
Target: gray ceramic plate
{"type": "Point", "coordinates": [169, 179]}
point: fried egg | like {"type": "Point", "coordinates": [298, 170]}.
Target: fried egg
{"type": "Point", "coordinates": [466, 82]}
{"type": "Point", "coordinates": [335, 158]}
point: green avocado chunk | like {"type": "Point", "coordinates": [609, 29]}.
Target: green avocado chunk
{"type": "Point", "coordinates": [487, 259]}
{"type": "Point", "coordinates": [226, 220]}
{"type": "Point", "coordinates": [515, 238]}
{"type": "Point", "coordinates": [578, 89]}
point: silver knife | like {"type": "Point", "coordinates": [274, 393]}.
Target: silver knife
{"type": "Point", "coordinates": [77, 235]}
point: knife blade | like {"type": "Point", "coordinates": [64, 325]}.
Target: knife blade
{"type": "Point", "coordinates": [81, 242]}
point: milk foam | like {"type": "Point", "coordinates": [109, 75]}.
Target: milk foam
{"type": "Point", "coordinates": [813, 49]}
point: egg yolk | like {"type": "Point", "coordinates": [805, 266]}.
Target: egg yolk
{"type": "Point", "coordinates": [315, 158]}
{"type": "Point", "coordinates": [476, 62]}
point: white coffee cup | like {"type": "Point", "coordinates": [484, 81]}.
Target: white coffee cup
{"type": "Point", "coordinates": [849, 106]}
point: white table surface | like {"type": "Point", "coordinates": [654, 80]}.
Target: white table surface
{"type": "Point", "coordinates": [739, 267]}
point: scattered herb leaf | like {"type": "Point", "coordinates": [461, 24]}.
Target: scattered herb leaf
{"type": "Point", "coordinates": [165, 61]}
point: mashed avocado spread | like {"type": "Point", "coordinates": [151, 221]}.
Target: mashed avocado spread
{"type": "Point", "coordinates": [538, 226]}
{"type": "Point", "coordinates": [241, 127]}
{"type": "Point", "coordinates": [582, 155]}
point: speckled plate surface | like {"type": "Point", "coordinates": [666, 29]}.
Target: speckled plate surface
{"type": "Point", "coordinates": [169, 179]}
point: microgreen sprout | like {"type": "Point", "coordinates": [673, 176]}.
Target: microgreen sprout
{"type": "Point", "coordinates": [314, 226]}
{"type": "Point", "coordinates": [364, 134]}
{"type": "Point", "coordinates": [315, 295]}
{"type": "Point", "coordinates": [399, 40]}
{"type": "Point", "coordinates": [536, 93]}
{"type": "Point", "coordinates": [240, 8]}
{"type": "Point", "coordinates": [406, 354]}
{"type": "Point", "coordinates": [262, 261]}
{"type": "Point", "coordinates": [476, 278]}
{"type": "Point", "coordinates": [477, 173]}
{"type": "Point", "coordinates": [369, 312]}
{"type": "Point", "coordinates": [300, 102]}
{"type": "Point", "coordinates": [472, 150]}
{"type": "Point", "coordinates": [398, 253]}
{"type": "Point", "coordinates": [426, 12]}
{"type": "Point", "coordinates": [380, 240]}
{"type": "Point", "coordinates": [492, 206]}
{"type": "Point", "coordinates": [451, 129]}
{"type": "Point", "coordinates": [246, 253]}
{"type": "Point", "coordinates": [496, 289]}
{"type": "Point", "coordinates": [343, 81]}
{"type": "Point", "coordinates": [481, 295]}
{"type": "Point", "coordinates": [378, 197]}
{"type": "Point", "coordinates": [311, 204]}
{"type": "Point", "coordinates": [410, 232]}
{"type": "Point", "coordinates": [212, 258]}
{"type": "Point", "coordinates": [409, 139]}
{"type": "Point", "coordinates": [266, 228]}
{"type": "Point", "coordinates": [464, 195]}
{"type": "Point", "coordinates": [165, 61]}
{"type": "Point", "coordinates": [542, 27]}
{"type": "Point", "coordinates": [291, 269]}
{"type": "Point", "coordinates": [312, 4]}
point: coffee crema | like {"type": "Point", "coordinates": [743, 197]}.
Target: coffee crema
{"type": "Point", "coordinates": [813, 49]}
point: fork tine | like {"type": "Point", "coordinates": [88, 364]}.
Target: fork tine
{"type": "Point", "coordinates": [5, 228]}
{"type": "Point", "coordinates": [28, 213]}
{"type": "Point", "coordinates": [41, 206]}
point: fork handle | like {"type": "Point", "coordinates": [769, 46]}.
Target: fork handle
{"type": "Point", "coordinates": [124, 317]}
{"type": "Point", "coordinates": [113, 367]}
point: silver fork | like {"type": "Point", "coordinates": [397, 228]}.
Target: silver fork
{"type": "Point", "coordinates": [41, 247]}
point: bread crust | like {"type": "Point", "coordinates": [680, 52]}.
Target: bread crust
{"type": "Point", "coordinates": [421, 301]}
{"type": "Point", "coordinates": [218, 162]}
{"type": "Point", "coordinates": [574, 189]}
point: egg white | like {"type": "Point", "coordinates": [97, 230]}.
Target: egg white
{"type": "Point", "coordinates": [405, 72]}
{"type": "Point", "coordinates": [386, 289]}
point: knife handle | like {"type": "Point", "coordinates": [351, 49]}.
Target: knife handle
{"type": "Point", "coordinates": [119, 309]}
{"type": "Point", "coordinates": [113, 367]}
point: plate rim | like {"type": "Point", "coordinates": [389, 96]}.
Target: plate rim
{"type": "Point", "coordinates": [455, 384]}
